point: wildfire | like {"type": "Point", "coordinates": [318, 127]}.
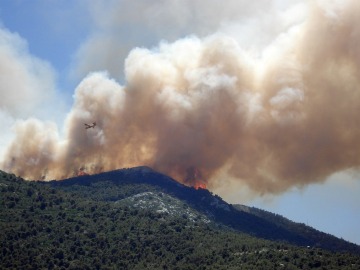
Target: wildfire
{"type": "Point", "coordinates": [195, 178]}
{"type": "Point", "coordinates": [199, 186]}
{"type": "Point", "coordinates": [82, 172]}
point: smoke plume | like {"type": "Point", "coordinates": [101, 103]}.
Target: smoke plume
{"type": "Point", "coordinates": [26, 84]}
{"type": "Point", "coordinates": [285, 118]}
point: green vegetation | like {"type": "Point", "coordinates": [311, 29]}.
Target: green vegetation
{"type": "Point", "coordinates": [42, 227]}
{"type": "Point", "coordinates": [125, 183]}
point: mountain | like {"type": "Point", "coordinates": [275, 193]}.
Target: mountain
{"type": "Point", "coordinates": [252, 221]}
{"type": "Point", "coordinates": [140, 219]}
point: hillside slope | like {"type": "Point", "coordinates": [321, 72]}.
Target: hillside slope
{"type": "Point", "coordinates": [108, 186]}
{"type": "Point", "coordinates": [70, 226]}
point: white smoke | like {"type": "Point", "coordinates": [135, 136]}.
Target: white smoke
{"type": "Point", "coordinates": [27, 83]}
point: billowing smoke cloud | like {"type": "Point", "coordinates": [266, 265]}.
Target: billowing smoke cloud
{"type": "Point", "coordinates": [119, 26]}
{"type": "Point", "coordinates": [27, 83]}
{"type": "Point", "coordinates": [198, 108]}
{"type": "Point", "coordinates": [31, 79]}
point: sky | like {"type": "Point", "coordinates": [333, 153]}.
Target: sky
{"type": "Point", "coordinates": [259, 100]}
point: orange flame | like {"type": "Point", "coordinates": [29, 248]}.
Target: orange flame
{"type": "Point", "coordinates": [82, 173]}
{"type": "Point", "coordinates": [199, 186]}
{"type": "Point", "coordinates": [195, 178]}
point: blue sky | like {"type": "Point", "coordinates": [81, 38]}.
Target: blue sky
{"type": "Point", "coordinates": [53, 31]}
{"type": "Point", "coordinates": [66, 40]}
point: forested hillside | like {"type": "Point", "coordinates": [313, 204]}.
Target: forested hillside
{"type": "Point", "coordinates": [45, 227]}
{"type": "Point", "coordinates": [119, 184]}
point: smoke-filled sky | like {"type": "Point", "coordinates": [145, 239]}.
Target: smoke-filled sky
{"type": "Point", "coordinates": [257, 100]}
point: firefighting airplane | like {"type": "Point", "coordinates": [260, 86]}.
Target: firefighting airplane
{"type": "Point", "coordinates": [87, 126]}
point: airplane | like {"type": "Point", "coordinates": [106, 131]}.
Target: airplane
{"type": "Point", "coordinates": [87, 126]}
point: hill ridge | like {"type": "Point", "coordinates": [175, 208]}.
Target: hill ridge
{"type": "Point", "coordinates": [252, 222]}
{"type": "Point", "coordinates": [71, 226]}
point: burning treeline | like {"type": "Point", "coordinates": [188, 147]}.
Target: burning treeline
{"type": "Point", "coordinates": [286, 118]}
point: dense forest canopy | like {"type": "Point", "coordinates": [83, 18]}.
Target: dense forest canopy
{"type": "Point", "coordinates": [47, 227]}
